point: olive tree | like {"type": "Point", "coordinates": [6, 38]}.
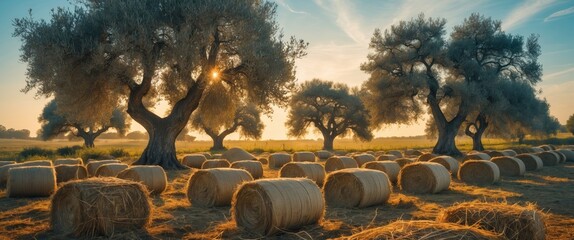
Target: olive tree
{"type": "Point", "coordinates": [147, 50]}
{"type": "Point", "coordinates": [332, 108]}
{"type": "Point", "coordinates": [53, 123]}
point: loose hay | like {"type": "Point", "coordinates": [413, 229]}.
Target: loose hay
{"type": "Point", "coordinates": [237, 154]}
{"type": "Point", "coordinates": [68, 161]}
{"type": "Point", "coordinates": [34, 181]}
{"type": "Point", "coordinates": [357, 188]}
{"type": "Point", "coordinates": [425, 157]}
{"type": "Point", "coordinates": [100, 207]}
{"type": "Point", "coordinates": [215, 163]}
{"type": "Point", "coordinates": [404, 161]}
{"type": "Point", "coordinates": [323, 155]}
{"type": "Point", "coordinates": [313, 171]}
{"type": "Point", "coordinates": [397, 153]}
{"type": "Point", "coordinates": [424, 230]}
{"type": "Point", "coordinates": [531, 161]}
{"type": "Point", "coordinates": [303, 157]}
{"type": "Point", "coordinates": [193, 160]}
{"type": "Point", "coordinates": [267, 206]}
{"type": "Point", "coordinates": [94, 165]}
{"type": "Point", "coordinates": [391, 168]}
{"type": "Point", "coordinates": [337, 163]}
{"type": "Point", "coordinates": [255, 168]}
{"type": "Point", "coordinates": [549, 158]}
{"type": "Point", "coordinates": [424, 177]}
{"type": "Point", "coordinates": [385, 157]}
{"type": "Point", "coordinates": [479, 172]}
{"type": "Point", "coordinates": [476, 156]}
{"type": "Point", "coordinates": [215, 187]}
{"type": "Point", "coordinates": [110, 169]}
{"type": "Point", "coordinates": [513, 221]}
{"type": "Point", "coordinates": [364, 158]}
{"type": "Point", "coordinates": [66, 173]}
{"type": "Point", "coordinates": [277, 160]}
{"type": "Point", "coordinates": [509, 166]}
{"type": "Point", "coordinates": [152, 177]}
{"type": "Point", "coordinates": [4, 169]}
{"type": "Point", "coordinates": [569, 154]}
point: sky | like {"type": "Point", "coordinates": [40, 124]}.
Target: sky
{"type": "Point", "coordinates": [338, 32]}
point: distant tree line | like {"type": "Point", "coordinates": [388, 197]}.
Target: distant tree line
{"type": "Point", "coordinates": [13, 133]}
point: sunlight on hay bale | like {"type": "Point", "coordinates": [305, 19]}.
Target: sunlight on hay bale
{"type": "Point", "coordinates": [323, 155]}
{"type": "Point", "coordinates": [424, 177]}
{"type": "Point", "coordinates": [152, 177]}
{"type": "Point", "coordinates": [237, 154]}
{"type": "Point", "coordinates": [100, 207]}
{"type": "Point", "coordinates": [561, 156]}
{"type": "Point", "coordinates": [391, 168]}
{"type": "Point", "coordinates": [547, 147]}
{"type": "Point", "coordinates": [255, 168]}
{"type": "Point", "coordinates": [448, 162]}
{"type": "Point", "coordinates": [4, 169]}
{"type": "Point", "coordinates": [32, 181]}
{"type": "Point", "coordinates": [397, 153]}
{"type": "Point", "coordinates": [277, 160]}
{"type": "Point", "coordinates": [569, 154]}
{"type": "Point", "coordinates": [68, 161]}
{"type": "Point", "coordinates": [303, 157]}
{"type": "Point", "coordinates": [479, 172]}
{"type": "Point", "coordinates": [215, 187]}
{"type": "Point", "coordinates": [267, 206]}
{"type": "Point", "coordinates": [95, 164]}
{"type": "Point", "coordinates": [313, 171]}
{"type": "Point", "coordinates": [206, 155]}
{"type": "Point", "coordinates": [337, 163]}
{"type": "Point", "coordinates": [513, 221]}
{"type": "Point", "coordinates": [424, 230]}
{"type": "Point", "coordinates": [110, 169]}
{"type": "Point", "coordinates": [531, 161]}
{"type": "Point", "coordinates": [476, 156]}
{"type": "Point", "coordinates": [549, 158]}
{"type": "Point", "coordinates": [426, 157]}
{"type": "Point", "coordinates": [363, 158]}
{"type": "Point", "coordinates": [385, 157]}
{"type": "Point", "coordinates": [357, 188]}
{"type": "Point", "coordinates": [193, 160]}
{"type": "Point", "coordinates": [509, 166]}
{"type": "Point", "coordinates": [2, 163]}
{"type": "Point", "coordinates": [509, 152]}
{"type": "Point", "coordinates": [66, 173]}
{"type": "Point", "coordinates": [215, 163]}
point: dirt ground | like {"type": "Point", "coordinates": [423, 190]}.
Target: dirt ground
{"type": "Point", "coordinates": [552, 189]}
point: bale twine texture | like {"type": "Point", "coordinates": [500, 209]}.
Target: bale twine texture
{"type": "Point", "coordinates": [448, 162]}
{"type": "Point", "coordinates": [337, 163]}
{"type": "Point", "coordinates": [313, 171]}
{"type": "Point", "coordinates": [479, 172]}
{"type": "Point", "coordinates": [303, 157]}
{"type": "Point", "coordinates": [569, 154]}
{"type": "Point", "coordinates": [34, 181]}
{"type": "Point", "coordinates": [476, 156]}
{"type": "Point", "coordinates": [237, 154]}
{"type": "Point", "coordinates": [424, 177]}
{"type": "Point", "coordinates": [425, 157]}
{"type": "Point", "coordinates": [68, 161]}
{"type": "Point", "coordinates": [100, 207]}
{"type": "Point", "coordinates": [215, 163]}
{"type": "Point", "coordinates": [267, 206]}
{"type": "Point", "coordinates": [323, 155]}
{"type": "Point", "coordinates": [404, 161]}
{"type": "Point", "coordinates": [549, 158]}
{"type": "Point", "coordinates": [531, 161]}
{"type": "Point", "coordinates": [66, 173]}
{"type": "Point", "coordinates": [4, 169]}
{"type": "Point", "coordinates": [215, 187]}
{"type": "Point", "coordinates": [363, 158]}
{"type": "Point", "coordinates": [385, 157]}
{"type": "Point", "coordinates": [357, 188]}
{"type": "Point", "coordinates": [193, 160]}
{"type": "Point", "coordinates": [255, 168]}
{"type": "Point", "coordinates": [94, 165]}
{"type": "Point", "coordinates": [110, 169]}
{"type": "Point", "coordinates": [391, 168]}
{"type": "Point", "coordinates": [152, 177]}
{"type": "Point", "coordinates": [509, 166]}
{"type": "Point", "coordinates": [397, 153]}
{"type": "Point", "coordinates": [277, 160]}
{"type": "Point", "coordinates": [512, 221]}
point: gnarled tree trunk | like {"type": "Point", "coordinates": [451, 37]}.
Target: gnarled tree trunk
{"type": "Point", "coordinates": [480, 125]}
{"type": "Point", "coordinates": [217, 143]}
{"type": "Point", "coordinates": [328, 143]}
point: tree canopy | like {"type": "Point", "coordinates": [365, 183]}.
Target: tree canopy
{"type": "Point", "coordinates": [13, 133]}
{"type": "Point", "coordinates": [332, 108]}
{"type": "Point", "coordinates": [570, 124]}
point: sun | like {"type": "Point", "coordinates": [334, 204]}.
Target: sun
{"type": "Point", "coordinates": [214, 74]}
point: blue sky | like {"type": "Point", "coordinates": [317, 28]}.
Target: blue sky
{"type": "Point", "coordinates": [338, 32]}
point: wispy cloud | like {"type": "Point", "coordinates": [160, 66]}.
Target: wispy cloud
{"type": "Point", "coordinates": [560, 13]}
{"type": "Point", "coordinates": [523, 12]}
{"type": "Point", "coordinates": [289, 8]}
{"type": "Point", "coordinates": [559, 73]}
{"type": "Point", "coordinates": [346, 17]}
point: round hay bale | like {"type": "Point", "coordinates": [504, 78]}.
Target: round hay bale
{"type": "Point", "coordinates": [66, 173]}
{"type": "Point", "coordinates": [277, 160]}
{"type": "Point", "coordinates": [413, 152]}
{"type": "Point", "coordinates": [495, 153]}
{"type": "Point", "coordinates": [476, 156]}
{"type": "Point", "coordinates": [215, 187]}
{"type": "Point", "coordinates": [193, 160]}
{"type": "Point", "coordinates": [237, 154]}
{"type": "Point", "coordinates": [95, 164]}
{"type": "Point", "coordinates": [448, 162]}
{"type": "Point", "coordinates": [2, 163]}
{"type": "Point", "coordinates": [560, 155]}
{"type": "Point", "coordinates": [255, 168]}
{"type": "Point", "coordinates": [531, 161]}
{"type": "Point", "coordinates": [424, 177]}
{"type": "Point", "coordinates": [313, 171]}
{"type": "Point", "coordinates": [404, 161]}
{"type": "Point", "coordinates": [267, 206]}
{"type": "Point", "coordinates": [549, 158]}
{"type": "Point", "coordinates": [4, 169]}
{"type": "Point", "coordinates": [215, 163]}
{"type": "Point", "coordinates": [357, 188]}
{"type": "Point", "coordinates": [68, 161]}
{"type": "Point", "coordinates": [509, 166]}
{"type": "Point", "coordinates": [569, 154]}
{"type": "Point", "coordinates": [370, 152]}
{"type": "Point", "coordinates": [547, 147]}
{"type": "Point", "coordinates": [512, 221]}
{"type": "Point", "coordinates": [385, 157]}
{"type": "Point", "coordinates": [216, 156]}
{"type": "Point", "coordinates": [303, 157]}
{"type": "Point", "coordinates": [323, 155]}
{"type": "Point", "coordinates": [479, 172]}
{"type": "Point", "coordinates": [364, 158]}
{"type": "Point", "coordinates": [425, 157]}
{"type": "Point", "coordinates": [206, 155]}
{"type": "Point", "coordinates": [99, 207]}
{"type": "Point", "coordinates": [397, 153]}
{"type": "Point", "coordinates": [391, 168]}
{"type": "Point", "coordinates": [337, 163]}
{"type": "Point", "coordinates": [34, 181]}
{"type": "Point", "coordinates": [110, 169]}
{"type": "Point", "coordinates": [263, 160]}
{"type": "Point", "coordinates": [340, 153]}
{"type": "Point", "coordinates": [509, 152]}
{"type": "Point", "coordinates": [425, 229]}
{"type": "Point", "coordinates": [152, 177]}
{"type": "Point", "coordinates": [536, 149]}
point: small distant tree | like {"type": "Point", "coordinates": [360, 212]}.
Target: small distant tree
{"type": "Point", "coordinates": [570, 124]}
{"type": "Point", "coordinates": [137, 135]}
{"type": "Point", "coordinates": [246, 119]}
{"type": "Point", "coordinates": [331, 108]}
{"type": "Point", "coordinates": [54, 124]}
